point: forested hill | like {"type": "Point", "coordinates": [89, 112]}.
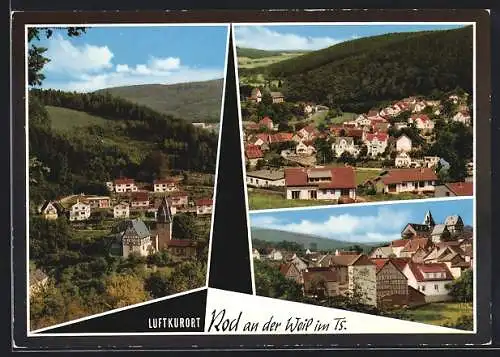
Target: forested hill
{"type": "Point", "coordinates": [373, 69]}
{"type": "Point", "coordinates": [254, 53]}
{"type": "Point", "coordinates": [193, 101]}
{"type": "Point", "coordinates": [121, 139]}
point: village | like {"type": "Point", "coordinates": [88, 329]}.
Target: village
{"type": "Point", "coordinates": [413, 271]}
{"type": "Point", "coordinates": [384, 154]}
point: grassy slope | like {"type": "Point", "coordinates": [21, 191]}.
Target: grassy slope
{"type": "Point", "coordinates": [194, 101]}
{"type": "Point", "coordinates": [439, 313]}
{"type": "Point", "coordinates": [68, 120]}
{"type": "Point", "coordinates": [272, 235]}
{"type": "Point", "coordinates": [247, 62]}
{"type": "Point", "coordinates": [254, 53]}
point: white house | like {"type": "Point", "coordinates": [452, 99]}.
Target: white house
{"type": "Point", "coordinates": [402, 160]}
{"type": "Point", "coordinates": [79, 211]}
{"type": "Point", "coordinates": [307, 132]}
{"type": "Point", "coordinates": [381, 252]}
{"type": "Point", "coordinates": [121, 210]}
{"type": "Point", "coordinates": [462, 117]}
{"type": "Point", "coordinates": [431, 161]}
{"type": "Point", "coordinates": [430, 279]}
{"type": "Point", "coordinates": [136, 238]}
{"type": "Point", "coordinates": [125, 185]}
{"type": "Point", "coordinates": [400, 125]}
{"type": "Point", "coordinates": [110, 186]}
{"type": "Point", "coordinates": [422, 122]}
{"type": "Point", "coordinates": [420, 180]}
{"type": "Point", "coordinates": [362, 121]}
{"type": "Point", "coordinates": [419, 106]}
{"type": "Point", "coordinates": [376, 143]}
{"type": "Point", "coordinates": [344, 144]}
{"type": "Point", "coordinates": [320, 183]}
{"type": "Point", "coordinates": [204, 206]}
{"type": "Point", "coordinates": [266, 178]}
{"type": "Point", "coordinates": [275, 255]}
{"type": "Point", "coordinates": [403, 144]}
{"type": "Point", "coordinates": [165, 185]}
{"type": "Point", "coordinates": [255, 254]}
{"type": "Point", "coordinates": [304, 148]}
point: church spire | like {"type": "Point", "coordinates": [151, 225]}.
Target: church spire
{"type": "Point", "coordinates": [164, 215]}
{"type": "Point", "coordinates": [429, 220]}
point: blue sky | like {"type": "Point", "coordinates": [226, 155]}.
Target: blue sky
{"type": "Point", "coordinates": [115, 56]}
{"type": "Point", "coordinates": [314, 37]}
{"type": "Point", "coordinates": [372, 223]}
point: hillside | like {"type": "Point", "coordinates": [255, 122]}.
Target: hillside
{"type": "Point", "coordinates": [254, 53]}
{"type": "Point", "coordinates": [251, 58]}
{"type": "Point", "coordinates": [194, 101]}
{"type": "Point", "coordinates": [360, 73]}
{"type": "Point", "coordinates": [271, 235]}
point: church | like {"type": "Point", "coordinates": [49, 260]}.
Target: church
{"type": "Point", "coordinates": [133, 236]}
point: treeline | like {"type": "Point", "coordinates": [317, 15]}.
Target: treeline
{"type": "Point", "coordinates": [357, 75]}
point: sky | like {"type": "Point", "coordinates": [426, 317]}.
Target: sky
{"type": "Point", "coordinates": [315, 37]}
{"type": "Point", "coordinates": [362, 224]}
{"type": "Point", "coordinates": [106, 57]}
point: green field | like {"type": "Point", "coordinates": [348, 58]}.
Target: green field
{"type": "Point", "coordinates": [363, 174]}
{"type": "Point", "coordinates": [67, 120]}
{"type": "Point", "coordinates": [247, 62]}
{"type": "Point", "coordinates": [439, 313]}
{"type": "Point", "coordinates": [319, 118]}
{"type": "Point", "coordinates": [268, 201]}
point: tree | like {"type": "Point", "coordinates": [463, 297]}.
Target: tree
{"type": "Point", "coordinates": [157, 284]}
{"type": "Point", "coordinates": [267, 100]}
{"type": "Point", "coordinates": [36, 58]}
{"type": "Point", "coordinates": [260, 164]}
{"type": "Point", "coordinates": [462, 289]}
{"type": "Point", "coordinates": [324, 153]}
{"type": "Point", "coordinates": [183, 226]}
{"type": "Point", "coordinates": [123, 290]}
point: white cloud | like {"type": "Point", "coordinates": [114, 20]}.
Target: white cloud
{"type": "Point", "coordinates": [265, 38]}
{"type": "Point", "coordinates": [384, 226]}
{"type": "Point", "coordinates": [66, 57]}
{"type": "Point", "coordinates": [122, 68]}
{"type": "Point", "coordinates": [165, 64]}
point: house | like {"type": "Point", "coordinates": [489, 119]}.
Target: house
{"type": "Point", "coordinates": [165, 185]}
{"type": "Point", "coordinates": [274, 254]}
{"type": "Point", "coordinates": [392, 284]}
{"type": "Point", "coordinates": [277, 97]}
{"type": "Point", "coordinates": [361, 276]}
{"type": "Point", "coordinates": [256, 95]}
{"type": "Point", "coordinates": [381, 253]}
{"type": "Point", "coordinates": [121, 210]}
{"type": "Point", "coordinates": [440, 233]}
{"type": "Point", "coordinates": [253, 154]}
{"type": "Point", "coordinates": [290, 271]}
{"type": "Point", "coordinates": [454, 189]}
{"type": "Point", "coordinates": [178, 199]}
{"type": "Point", "coordinates": [419, 180]}
{"type": "Point", "coordinates": [422, 122]}
{"type": "Point", "coordinates": [431, 161]}
{"type": "Point", "coordinates": [454, 223]}
{"type": "Point", "coordinates": [431, 279]}
{"type": "Point", "coordinates": [362, 121]}
{"type": "Point", "coordinates": [110, 186]}
{"type": "Point", "coordinates": [250, 126]}
{"type": "Point", "coordinates": [79, 211]}
{"type": "Point", "coordinates": [267, 123]}
{"type": "Point", "coordinates": [381, 126]}
{"type": "Point", "coordinates": [261, 140]}
{"type": "Point", "coordinates": [374, 115]}
{"type": "Point", "coordinates": [125, 185]}
{"type": "Point", "coordinates": [413, 245]}
{"type": "Point", "coordinates": [279, 138]}
{"type": "Point", "coordinates": [403, 144]}
{"type": "Point", "coordinates": [452, 255]}
{"type": "Point", "coordinates": [419, 106]}
{"type": "Point", "coordinates": [204, 206]}
{"type": "Point", "coordinates": [136, 238]}
{"type": "Point", "coordinates": [402, 160]}
{"type": "Point", "coordinates": [51, 210]}
{"type": "Point", "coordinates": [320, 282]}
{"type": "Point", "coordinates": [140, 200]}
{"type": "Point", "coordinates": [344, 144]}
{"type": "Point", "coordinates": [37, 281]}
{"type": "Point", "coordinates": [308, 132]}
{"type": "Point", "coordinates": [462, 117]}
{"type": "Point", "coordinates": [419, 255]}
{"type": "Point", "coordinates": [266, 178]}
{"type": "Point", "coordinates": [255, 254]}
{"type": "Point", "coordinates": [98, 201]}
{"type": "Point", "coordinates": [376, 143]}
{"type": "Point", "coordinates": [320, 183]}
{"type": "Point", "coordinates": [300, 263]}
{"type": "Point", "coordinates": [305, 148]}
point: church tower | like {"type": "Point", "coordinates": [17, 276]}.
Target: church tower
{"type": "Point", "coordinates": [164, 224]}
{"type": "Point", "coordinates": [429, 220]}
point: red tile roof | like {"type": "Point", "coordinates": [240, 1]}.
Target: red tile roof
{"type": "Point", "coordinates": [284, 268]}
{"type": "Point", "coordinates": [326, 273]}
{"type": "Point", "coordinates": [342, 177]}
{"type": "Point", "coordinates": [408, 175]}
{"type": "Point", "coordinates": [378, 136]}
{"type": "Point", "coordinates": [461, 188]}
{"type": "Point", "coordinates": [400, 263]}
{"type": "Point", "coordinates": [265, 121]}
{"type": "Point", "coordinates": [310, 129]}
{"type": "Point", "coordinates": [418, 270]}
{"type": "Point", "coordinates": [399, 243]}
{"type": "Point", "coordinates": [204, 202]}
{"type": "Point", "coordinates": [124, 181]}
{"type": "Point", "coordinates": [140, 196]}
{"type": "Point", "coordinates": [355, 133]}
{"type": "Point", "coordinates": [280, 137]}
{"type": "Point", "coordinates": [253, 152]}
{"type": "Point", "coordinates": [415, 243]}
{"type": "Point", "coordinates": [422, 117]}
{"type": "Point", "coordinates": [161, 181]}
{"type": "Point", "coordinates": [379, 263]}
{"type": "Point", "coordinates": [264, 137]}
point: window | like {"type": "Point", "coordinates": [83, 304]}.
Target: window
{"type": "Point", "coordinates": [421, 184]}
{"type": "Point", "coordinates": [436, 287]}
{"type": "Point", "coordinates": [447, 193]}
{"type": "Point", "coordinates": [313, 194]}
{"type": "Point", "coordinates": [423, 288]}
{"type": "Point", "coordinates": [295, 194]}
{"type": "Point", "coordinates": [344, 192]}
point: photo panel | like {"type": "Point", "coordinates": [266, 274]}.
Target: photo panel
{"type": "Point", "coordinates": [336, 113]}
{"type": "Point", "coordinates": [122, 154]}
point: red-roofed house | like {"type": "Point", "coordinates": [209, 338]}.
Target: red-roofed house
{"type": "Point", "coordinates": [422, 122]}
{"type": "Point", "coordinates": [376, 143]}
{"type": "Point", "coordinates": [320, 183]}
{"type": "Point", "coordinates": [183, 247]}
{"type": "Point", "coordinates": [320, 282]}
{"type": "Point", "coordinates": [165, 185]}
{"type": "Point", "coordinates": [308, 132]}
{"type": "Point", "coordinates": [430, 279]}
{"type": "Point", "coordinates": [253, 154]}
{"type": "Point", "coordinates": [453, 189]}
{"type": "Point", "coordinates": [290, 271]}
{"type": "Point", "coordinates": [266, 122]}
{"type": "Point", "coordinates": [305, 148]}
{"type": "Point", "coordinates": [204, 206]}
{"type": "Point", "coordinates": [392, 284]}
{"type": "Point", "coordinates": [140, 200]}
{"type": "Point", "coordinates": [178, 199]}
{"type": "Point", "coordinates": [409, 180]}
{"type": "Point", "coordinates": [280, 138]}
{"type": "Point", "coordinates": [125, 185]}
{"type": "Point", "coordinates": [413, 245]}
